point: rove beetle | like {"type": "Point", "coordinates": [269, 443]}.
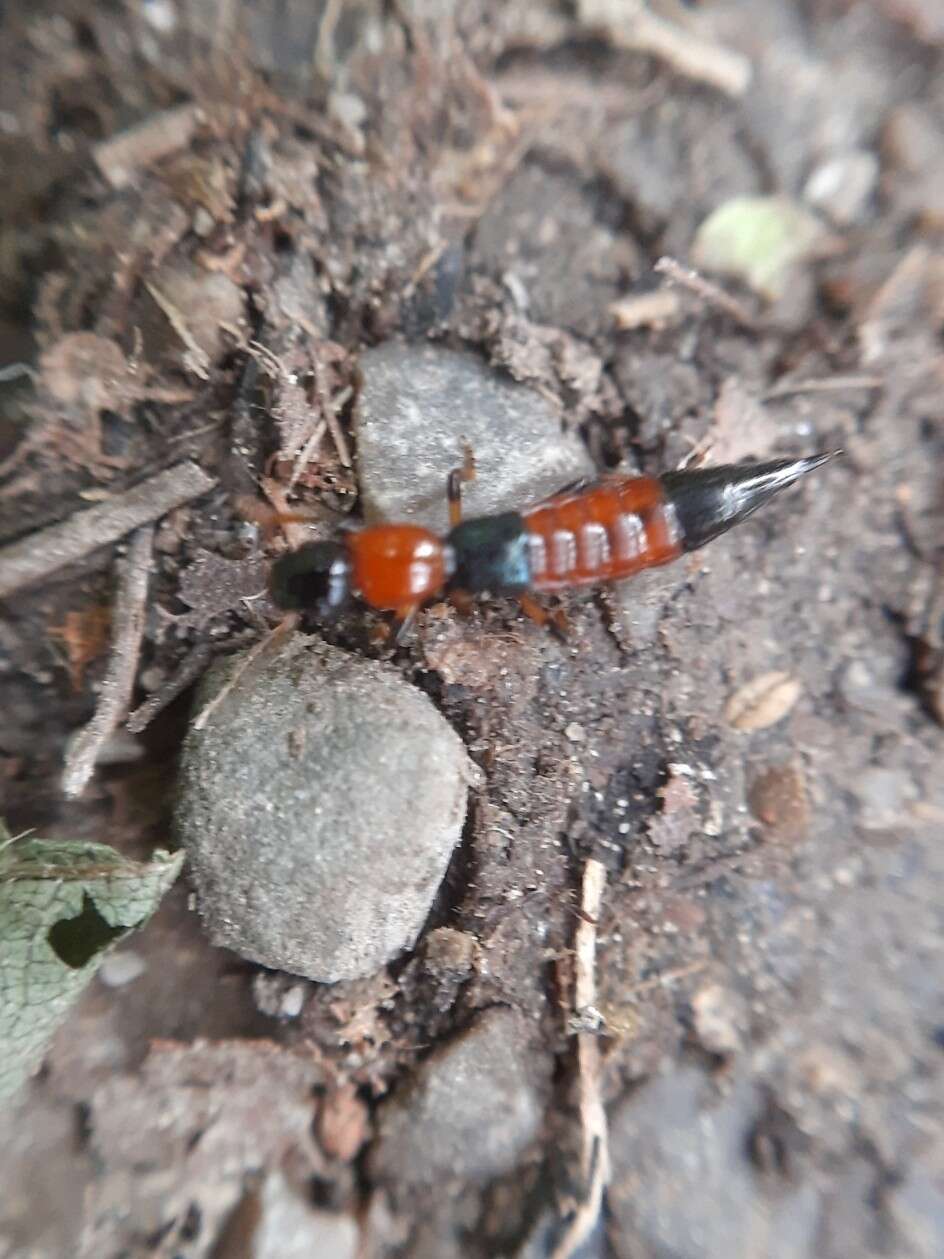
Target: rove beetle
{"type": "Point", "coordinates": [601, 532]}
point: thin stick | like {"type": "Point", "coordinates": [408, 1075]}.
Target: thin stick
{"type": "Point", "coordinates": [188, 672]}
{"type": "Point", "coordinates": [641, 310]}
{"type": "Point", "coordinates": [303, 458]}
{"type": "Point", "coordinates": [271, 641]}
{"type": "Point", "coordinates": [290, 521]}
{"type": "Point", "coordinates": [158, 136]}
{"type": "Point", "coordinates": [128, 621]}
{"type": "Point", "coordinates": [329, 411]}
{"type": "Point", "coordinates": [709, 293]}
{"type": "Point", "coordinates": [40, 554]}
{"type": "Point", "coordinates": [196, 359]}
{"type": "Point", "coordinates": [595, 1155]}
{"type": "Point", "coordinates": [631, 24]}
{"type": "Point", "coordinates": [828, 384]}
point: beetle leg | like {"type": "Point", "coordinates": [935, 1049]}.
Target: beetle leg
{"type": "Point", "coordinates": [405, 618]}
{"type": "Point", "coordinates": [555, 620]}
{"type": "Point", "coordinates": [462, 601]}
{"type": "Point", "coordinates": [454, 485]}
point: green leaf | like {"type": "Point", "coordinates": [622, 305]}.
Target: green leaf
{"type": "Point", "coordinates": [760, 240]}
{"type": "Point", "coordinates": [62, 906]}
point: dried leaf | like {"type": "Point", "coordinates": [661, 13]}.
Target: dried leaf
{"type": "Point", "coordinates": [760, 240]}
{"type": "Point", "coordinates": [762, 702]}
{"type": "Point", "coordinates": [84, 634]}
{"type": "Point", "coordinates": [343, 1123]}
{"type": "Point", "coordinates": [62, 905]}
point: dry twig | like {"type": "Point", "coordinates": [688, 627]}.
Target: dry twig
{"type": "Point", "coordinates": [329, 410]}
{"type": "Point", "coordinates": [631, 24]}
{"type": "Point", "coordinates": [40, 554]}
{"type": "Point", "coordinates": [128, 622]}
{"type": "Point", "coordinates": [196, 358]}
{"type": "Point", "coordinates": [158, 136]}
{"type": "Point", "coordinates": [188, 672]}
{"type": "Point", "coordinates": [595, 1155]}
{"type": "Point", "coordinates": [264, 645]}
{"type": "Point", "coordinates": [711, 294]}
{"type": "Point", "coordinates": [828, 384]}
{"type": "Point", "coordinates": [646, 310]}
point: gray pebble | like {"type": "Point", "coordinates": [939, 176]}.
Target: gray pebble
{"type": "Point", "coordinates": [842, 187]}
{"type": "Point", "coordinates": [473, 1109]}
{"type": "Point", "coordinates": [287, 1227]}
{"type": "Point", "coordinates": [682, 1184]}
{"type": "Point", "coordinates": [121, 968]}
{"type": "Point", "coordinates": [320, 807]}
{"type": "Point", "coordinates": [419, 405]}
{"type": "Point", "coordinates": [884, 797]}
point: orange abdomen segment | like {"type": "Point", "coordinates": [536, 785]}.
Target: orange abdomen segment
{"type": "Point", "coordinates": [396, 567]}
{"type": "Point", "coordinates": [603, 533]}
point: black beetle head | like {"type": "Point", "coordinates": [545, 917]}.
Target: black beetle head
{"type": "Point", "coordinates": [314, 578]}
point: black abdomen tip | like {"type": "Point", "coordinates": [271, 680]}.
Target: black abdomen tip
{"type": "Point", "coordinates": [709, 501]}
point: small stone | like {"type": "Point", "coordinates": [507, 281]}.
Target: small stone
{"type": "Point", "coordinates": [717, 1017]}
{"type": "Point", "coordinates": [449, 953]}
{"type": "Point", "coordinates": [473, 1109]}
{"type": "Point", "coordinates": [320, 807]}
{"type": "Point", "coordinates": [278, 996]}
{"type": "Point", "coordinates": [884, 796]}
{"type": "Point", "coordinates": [289, 1228]}
{"type": "Point", "coordinates": [348, 109]}
{"type": "Point", "coordinates": [843, 186]}
{"type": "Point", "coordinates": [681, 1184]}
{"type": "Point", "coordinates": [121, 968]}
{"type": "Point", "coordinates": [418, 408]}
{"type": "Point", "coordinates": [777, 798]}
{"type": "Point", "coordinates": [860, 688]}
{"type": "Point", "coordinates": [575, 733]}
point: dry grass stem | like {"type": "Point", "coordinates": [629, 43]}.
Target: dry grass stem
{"type": "Point", "coordinates": [128, 621]}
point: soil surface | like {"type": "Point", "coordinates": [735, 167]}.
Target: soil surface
{"type": "Point", "coordinates": [209, 214]}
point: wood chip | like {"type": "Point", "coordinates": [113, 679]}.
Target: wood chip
{"type": "Point", "coordinates": [762, 702]}
{"type": "Point", "coordinates": [647, 310]}
{"type": "Point", "coordinates": [631, 24]}
{"type": "Point", "coordinates": [120, 157]}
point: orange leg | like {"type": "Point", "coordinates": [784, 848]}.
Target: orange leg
{"type": "Point", "coordinates": [269, 520]}
{"type": "Point", "coordinates": [555, 621]}
{"type": "Point", "coordinates": [462, 601]}
{"type": "Point", "coordinates": [454, 485]}
{"type": "Point", "coordinates": [404, 621]}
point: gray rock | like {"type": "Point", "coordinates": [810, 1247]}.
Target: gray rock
{"type": "Point", "coordinates": [682, 1185]}
{"type": "Point", "coordinates": [320, 807]}
{"type": "Point", "coordinates": [543, 237]}
{"type": "Point", "coordinates": [288, 1228]}
{"type": "Point", "coordinates": [842, 187]}
{"type": "Point", "coordinates": [473, 1109]}
{"type": "Point", "coordinates": [884, 797]}
{"type": "Point", "coordinates": [417, 407]}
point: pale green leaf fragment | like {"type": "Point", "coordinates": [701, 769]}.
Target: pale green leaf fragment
{"type": "Point", "coordinates": [62, 906]}
{"type": "Point", "coordinates": [760, 240]}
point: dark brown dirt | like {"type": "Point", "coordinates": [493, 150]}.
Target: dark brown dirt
{"type": "Point", "coordinates": [771, 928]}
